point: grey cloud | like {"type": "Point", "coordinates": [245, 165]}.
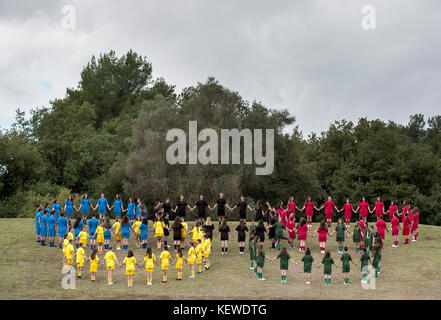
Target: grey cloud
{"type": "Point", "coordinates": [311, 57]}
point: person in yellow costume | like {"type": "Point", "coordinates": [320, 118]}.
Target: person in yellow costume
{"type": "Point", "coordinates": [207, 251]}
{"type": "Point", "coordinates": [65, 243]}
{"type": "Point", "coordinates": [136, 224]}
{"type": "Point", "coordinates": [149, 261]}
{"type": "Point", "coordinates": [70, 235]}
{"type": "Point", "coordinates": [179, 263]}
{"type": "Point", "coordinates": [70, 252]}
{"type": "Point", "coordinates": [110, 259]}
{"type": "Point", "coordinates": [93, 264]}
{"type": "Point", "coordinates": [83, 236]}
{"type": "Point", "coordinates": [159, 226]}
{"type": "Point", "coordinates": [99, 233]}
{"type": "Point", "coordinates": [196, 232]}
{"type": "Point", "coordinates": [199, 249]}
{"type": "Point", "coordinates": [80, 261]}
{"type": "Point", "coordinates": [165, 258]}
{"type": "Point", "coordinates": [116, 229]}
{"type": "Point", "coordinates": [183, 232]}
{"type": "Point", "coordinates": [130, 262]}
{"type": "Point", "coordinates": [191, 259]}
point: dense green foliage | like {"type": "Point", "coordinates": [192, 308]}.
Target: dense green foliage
{"type": "Point", "coordinates": [108, 135]}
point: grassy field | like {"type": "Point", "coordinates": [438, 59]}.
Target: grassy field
{"type": "Point", "coordinates": [30, 271]}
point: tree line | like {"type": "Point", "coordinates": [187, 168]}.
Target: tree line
{"type": "Point", "coordinates": [108, 135]}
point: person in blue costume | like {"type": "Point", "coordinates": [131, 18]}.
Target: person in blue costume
{"type": "Point", "coordinates": [118, 206]}
{"type": "Point", "coordinates": [51, 229]}
{"type": "Point", "coordinates": [47, 210]}
{"type": "Point", "coordinates": [126, 227]}
{"type": "Point", "coordinates": [62, 224]}
{"type": "Point", "coordinates": [43, 227]}
{"type": "Point", "coordinates": [102, 205]}
{"type": "Point", "coordinates": [57, 208]}
{"type": "Point", "coordinates": [131, 210]}
{"type": "Point", "coordinates": [69, 207]}
{"type": "Point", "coordinates": [93, 224]}
{"type": "Point", "coordinates": [78, 224]}
{"type": "Point", "coordinates": [37, 222]}
{"type": "Point", "coordinates": [144, 230]}
{"type": "Point", "coordinates": [84, 207]}
{"type": "Point", "coordinates": [107, 233]}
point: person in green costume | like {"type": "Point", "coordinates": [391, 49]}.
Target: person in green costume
{"type": "Point", "coordinates": [341, 229]}
{"type": "Point", "coordinates": [346, 259]}
{"type": "Point", "coordinates": [307, 260]}
{"type": "Point", "coordinates": [284, 262]}
{"type": "Point", "coordinates": [278, 230]}
{"type": "Point", "coordinates": [356, 237]}
{"type": "Point", "coordinates": [327, 262]}
{"type": "Point", "coordinates": [364, 260]}
{"type": "Point", "coordinates": [260, 258]}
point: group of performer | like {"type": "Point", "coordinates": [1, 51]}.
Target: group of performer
{"type": "Point", "coordinates": [73, 236]}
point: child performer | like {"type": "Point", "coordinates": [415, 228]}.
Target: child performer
{"type": "Point", "coordinates": [93, 265]}
{"type": "Point", "coordinates": [136, 224]}
{"type": "Point", "coordinates": [309, 212]}
{"type": "Point", "coordinates": [395, 225]}
{"type": "Point", "coordinates": [130, 262]}
{"type": "Point", "coordinates": [415, 222]}
{"type": "Point", "coordinates": [126, 227]}
{"type": "Point", "coordinates": [165, 258]}
{"type": "Point", "coordinates": [303, 231]}
{"type": "Point", "coordinates": [356, 237]}
{"type": "Point", "coordinates": [341, 229]}
{"type": "Point", "coordinates": [307, 265]}
{"type": "Point", "coordinates": [179, 264]}
{"type": "Point", "coordinates": [329, 207]}
{"type": "Point", "coordinates": [284, 263]}
{"type": "Point", "coordinates": [376, 258]}
{"type": "Point", "coordinates": [346, 259]}
{"type": "Point", "coordinates": [99, 236]}
{"type": "Point", "coordinates": [149, 261]}
{"type": "Point", "coordinates": [199, 249]}
{"type": "Point", "coordinates": [177, 233]}
{"type": "Point", "coordinates": [82, 237]}
{"type": "Point", "coordinates": [80, 261]}
{"type": "Point", "coordinates": [322, 231]}
{"type": "Point", "coordinates": [207, 251]}
{"type": "Point", "coordinates": [224, 230]}
{"type": "Point", "coordinates": [260, 254]}
{"type": "Point", "coordinates": [348, 208]}
{"type": "Point", "coordinates": [327, 262]}
{"type": "Point", "coordinates": [143, 232]}
{"type": "Point", "coordinates": [364, 261]}
{"type": "Point", "coordinates": [116, 229]}
{"type": "Point", "coordinates": [191, 259]}
{"type": "Point", "coordinates": [291, 226]}
{"type": "Point", "coordinates": [406, 228]}
{"type": "Point", "coordinates": [110, 259]}
{"type": "Point", "coordinates": [241, 230]}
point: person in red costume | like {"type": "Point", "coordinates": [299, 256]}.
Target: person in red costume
{"type": "Point", "coordinates": [363, 206]}
{"type": "Point", "coordinates": [415, 222]}
{"type": "Point", "coordinates": [322, 232]}
{"type": "Point", "coordinates": [393, 208]}
{"type": "Point", "coordinates": [348, 209]}
{"type": "Point", "coordinates": [406, 228]}
{"type": "Point", "coordinates": [379, 208]}
{"type": "Point", "coordinates": [395, 225]}
{"type": "Point", "coordinates": [309, 212]}
{"type": "Point", "coordinates": [329, 210]}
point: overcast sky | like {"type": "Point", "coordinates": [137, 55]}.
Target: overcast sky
{"type": "Point", "coordinates": [311, 57]}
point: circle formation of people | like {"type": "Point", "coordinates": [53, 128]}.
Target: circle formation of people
{"type": "Point", "coordinates": [367, 237]}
